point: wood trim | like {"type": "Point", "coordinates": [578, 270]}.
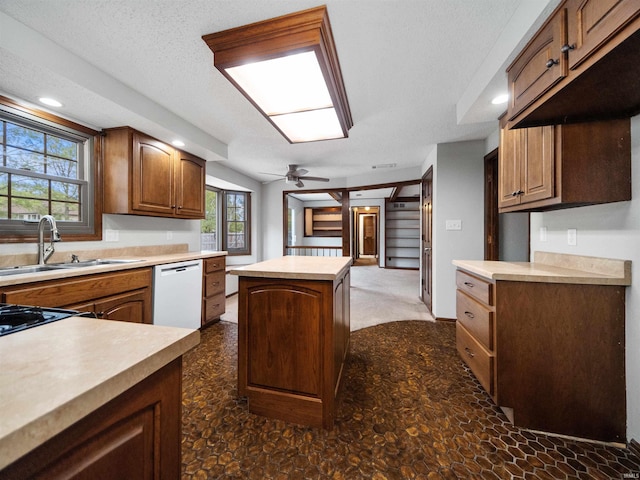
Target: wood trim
{"type": "Point", "coordinates": [47, 116]}
{"type": "Point", "coordinates": [346, 241]}
{"type": "Point", "coordinates": [444, 319]}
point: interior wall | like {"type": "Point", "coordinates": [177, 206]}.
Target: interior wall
{"type": "Point", "coordinates": [458, 194]}
{"type": "Point", "coordinates": [612, 231]}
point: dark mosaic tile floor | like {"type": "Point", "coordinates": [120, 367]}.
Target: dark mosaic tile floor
{"type": "Point", "coordinates": [409, 409]}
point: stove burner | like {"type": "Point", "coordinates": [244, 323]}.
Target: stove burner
{"type": "Point", "coordinates": [14, 318]}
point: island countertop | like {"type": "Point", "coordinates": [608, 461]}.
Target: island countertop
{"type": "Point", "coordinates": [56, 374]}
{"type": "Point", "coordinates": [300, 268]}
{"type": "Point", "coordinates": [554, 268]}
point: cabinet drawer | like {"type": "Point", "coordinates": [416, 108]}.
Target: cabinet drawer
{"type": "Point", "coordinates": [214, 306]}
{"type": "Point", "coordinates": [476, 318]}
{"type": "Point", "coordinates": [474, 286]}
{"type": "Point", "coordinates": [214, 264]}
{"type": "Point", "coordinates": [476, 357]}
{"type": "Point", "coordinates": [214, 283]}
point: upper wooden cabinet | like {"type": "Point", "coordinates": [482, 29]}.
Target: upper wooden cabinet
{"type": "Point", "coordinates": [562, 166]}
{"type": "Point", "coordinates": [582, 65]}
{"type": "Point", "coordinates": [143, 176]}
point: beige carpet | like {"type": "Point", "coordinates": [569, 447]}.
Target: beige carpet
{"type": "Point", "coordinates": [378, 295]}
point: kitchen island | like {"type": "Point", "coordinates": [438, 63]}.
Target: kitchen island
{"type": "Point", "coordinates": [546, 339]}
{"type": "Point", "coordinates": [293, 336]}
{"type": "Point", "coordinates": [94, 397]}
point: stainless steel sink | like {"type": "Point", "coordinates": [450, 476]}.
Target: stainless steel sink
{"type": "Point", "coordinates": [94, 262]}
{"type": "Point", "coordinates": [27, 269]}
{"type": "Point", "coordinates": [62, 266]}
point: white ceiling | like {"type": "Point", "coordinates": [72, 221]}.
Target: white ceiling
{"type": "Point", "coordinates": [417, 73]}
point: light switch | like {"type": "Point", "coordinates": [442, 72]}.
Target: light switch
{"type": "Point", "coordinates": [572, 236]}
{"type": "Point", "coordinates": [453, 225]}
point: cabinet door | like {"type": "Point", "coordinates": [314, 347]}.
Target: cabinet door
{"type": "Point", "coordinates": [128, 307]}
{"type": "Point", "coordinates": [509, 161]}
{"type": "Point", "coordinates": [189, 175]}
{"type": "Point", "coordinates": [540, 65]}
{"type": "Point", "coordinates": [592, 23]}
{"type": "Point", "coordinates": [152, 187]}
{"type": "Point", "coordinates": [538, 164]}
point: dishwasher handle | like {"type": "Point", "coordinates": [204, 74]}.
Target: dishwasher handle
{"type": "Point", "coordinates": [172, 270]}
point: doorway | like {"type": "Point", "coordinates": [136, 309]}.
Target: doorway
{"type": "Point", "coordinates": [366, 238]}
{"type": "Point", "coordinates": [427, 223]}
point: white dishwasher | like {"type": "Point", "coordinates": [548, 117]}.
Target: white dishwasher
{"type": "Point", "coordinates": [177, 294]}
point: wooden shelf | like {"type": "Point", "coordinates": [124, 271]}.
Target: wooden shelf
{"type": "Point", "coordinates": [323, 222]}
{"type": "Point", "coordinates": [402, 228]}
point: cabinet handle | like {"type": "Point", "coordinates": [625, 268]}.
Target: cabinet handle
{"type": "Point", "coordinates": [551, 62]}
{"type": "Point", "coordinates": [180, 207]}
{"type": "Point", "coordinates": [469, 352]}
{"type": "Point", "coordinates": [469, 314]}
{"type": "Point", "coordinates": [566, 47]}
{"type": "Point", "coordinates": [469, 284]}
{"type": "Point", "coordinates": [173, 206]}
{"type": "Point", "coordinates": [100, 314]}
{"type": "Point", "coordinates": [514, 193]}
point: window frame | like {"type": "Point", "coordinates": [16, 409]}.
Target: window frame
{"type": "Point", "coordinates": [219, 202]}
{"type": "Point", "coordinates": [247, 222]}
{"type": "Point", "coordinates": [15, 231]}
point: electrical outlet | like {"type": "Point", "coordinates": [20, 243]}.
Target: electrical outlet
{"type": "Point", "coordinates": [453, 225]}
{"type": "Point", "coordinates": [572, 236]}
{"type": "Point", "coordinates": [543, 234]}
{"type": "Point", "coordinates": [111, 235]}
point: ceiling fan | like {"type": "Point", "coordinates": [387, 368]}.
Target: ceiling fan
{"type": "Point", "coordinates": [296, 175]}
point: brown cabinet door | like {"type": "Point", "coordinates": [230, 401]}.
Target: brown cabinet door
{"type": "Point", "coordinates": [538, 164]}
{"type": "Point", "coordinates": [190, 180]}
{"type": "Point", "coordinates": [540, 65]}
{"type": "Point", "coordinates": [152, 187]}
{"type": "Point", "coordinates": [592, 23]}
{"type": "Point", "coordinates": [129, 307]}
{"type": "Point", "coordinates": [509, 163]}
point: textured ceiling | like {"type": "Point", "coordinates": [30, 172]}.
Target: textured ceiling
{"type": "Point", "coordinates": [406, 65]}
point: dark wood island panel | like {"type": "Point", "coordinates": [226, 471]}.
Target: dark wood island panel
{"type": "Point", "coordinates": [293, 338]}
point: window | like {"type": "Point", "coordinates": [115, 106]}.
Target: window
{"type": "Point", "coordinates": [227, 223]}
{"type": "Point", "coordinates": [210, 226]}
{"type": "Point", "coordinates": [236, 223]}
{"type": "Point", "coordinates": [46, 168]}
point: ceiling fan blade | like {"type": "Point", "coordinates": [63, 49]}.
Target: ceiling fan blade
{"type": "Point", "coordinates": [293, 170]}
{"type": "Point", "coordinates": [316, 179]}
{"type": "Point", "coordinates": [272, 174]}
{"type": "Point", "coordinates": [299, 184]}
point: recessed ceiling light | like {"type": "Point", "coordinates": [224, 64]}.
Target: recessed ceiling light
{"type": "Point", "coordinates": [177, 143]}
{"type": "Point", "coordinates": [50, 102]}
{"type": "Point", "coordinates": [500, 99]}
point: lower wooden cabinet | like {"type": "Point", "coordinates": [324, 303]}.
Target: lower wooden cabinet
{"type": "Point", "coordinates": [550, 354]}
{"type": "Point", "coordinates": [123, 295]}
{"type": "Point", "coordinates": [137, 435]}
{"type": "Point", "coordinates": [213, 289]}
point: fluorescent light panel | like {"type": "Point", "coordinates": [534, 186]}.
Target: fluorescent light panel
{"type": "Point", "coordinates": [288, 68]}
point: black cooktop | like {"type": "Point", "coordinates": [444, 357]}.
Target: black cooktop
{"type": "Point", "coordinates": [15, 318]}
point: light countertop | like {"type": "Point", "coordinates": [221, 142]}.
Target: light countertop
{"type": "Point", "coordinates": [299, 268]}
{"type": "Point", "coordinates": [55, 374]}
{"type": "Point", "coordinates": [146, 260]}
{"type": "Point", "coordinates": [554, 268]}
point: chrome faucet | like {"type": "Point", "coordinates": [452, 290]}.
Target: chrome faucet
{"type": "Point", "coordinates": [45, 253]}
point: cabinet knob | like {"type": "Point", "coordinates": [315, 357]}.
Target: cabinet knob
{"type": "Point", "coordinates": [551, 62]}
{"type": "Point", "coordinates": [566, 47]}
{"type": "Point", "coordinates": [100, 314]}
{"type": "Point", "coordinates": [173, 206]}
{"type": "Point", "coordinates": [180, 207]}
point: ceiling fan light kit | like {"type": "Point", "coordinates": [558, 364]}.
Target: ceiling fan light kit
{"type": "Point", "coordinates": [288, 68]}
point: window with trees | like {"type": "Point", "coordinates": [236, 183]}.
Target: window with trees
{"type": "Point", "coordinates": [46, 168]}
{"type": "Point", "coordinates": [236, 224]}
{"type": "Point", "coordinates": [227, 222]}
{"type": "Point", "coordinates": [210, 226]}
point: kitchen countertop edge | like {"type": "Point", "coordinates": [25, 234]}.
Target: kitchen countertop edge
{"type": "Point", "coordinates": [148, 261]}
{"type": "Point", "coordinates": [297, 268]}
{"type": "Point", "coordinates": [36, 427]}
